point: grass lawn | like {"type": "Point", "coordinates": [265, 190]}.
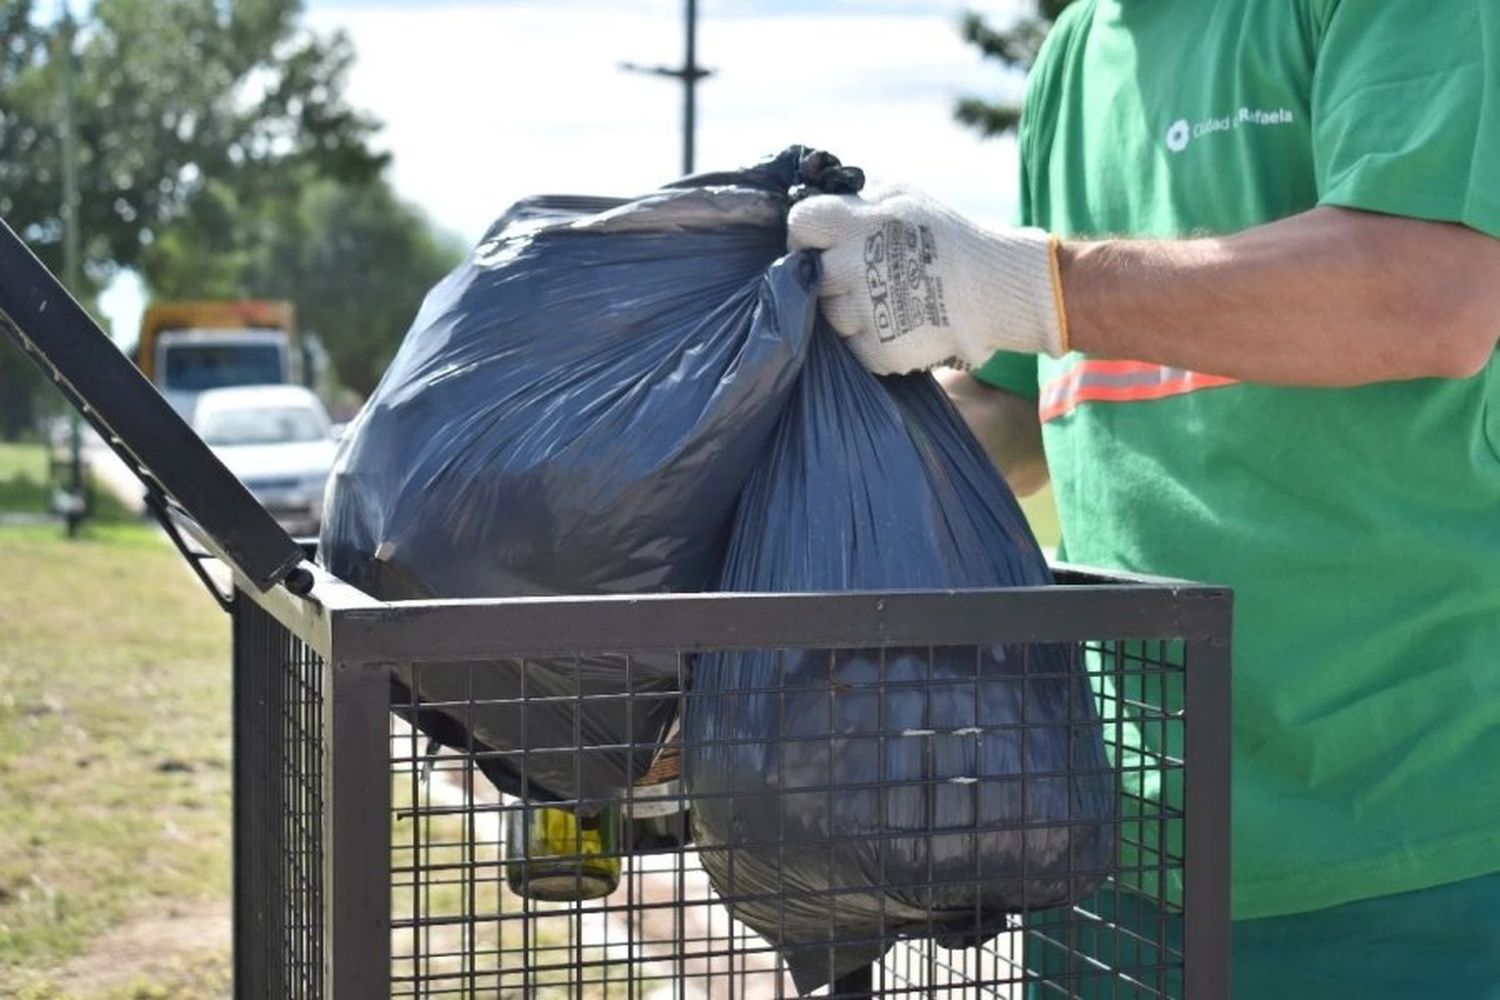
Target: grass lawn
{"type": "Point", "coordinates": [114, 769]}
{"type": "Point", "coordinates": [23, 477]}
{"type": "Point", "coordinates": [24, 486]}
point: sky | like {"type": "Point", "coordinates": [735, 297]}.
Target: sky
{"type": "Point", "coordinates": [487, 101]}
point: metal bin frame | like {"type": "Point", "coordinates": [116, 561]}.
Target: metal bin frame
{"type": "Point", "coordinates": [313, 772]}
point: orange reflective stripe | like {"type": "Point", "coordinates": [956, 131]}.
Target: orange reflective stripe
{"type": "Point", "coordinates": [1120, 382]}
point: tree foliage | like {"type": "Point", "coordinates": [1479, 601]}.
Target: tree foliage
{"type": "Point", "coordinates": [1016, 47]}
{"type": "Point", "coordinates": [170, 94]}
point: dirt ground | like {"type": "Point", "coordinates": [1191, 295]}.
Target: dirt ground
{"type": "Point", "coordinates": [185, 950]}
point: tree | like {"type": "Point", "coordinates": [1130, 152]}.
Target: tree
{"type": "Point", "coordinates": [353, 258]}
{"type": "Point", "coordinates": [171, 95]}
{"type": "Point", "coordinates": [1016, 48]}
{"type": "Point", "coordinates": [22, 45]}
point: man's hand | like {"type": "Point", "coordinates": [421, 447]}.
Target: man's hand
{"type": "Point", "coordinates": [911, 284]}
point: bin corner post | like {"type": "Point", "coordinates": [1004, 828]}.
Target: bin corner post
{"type": "Point", "coordinates": [357, 788]}
{"type": "Point", "coordinates": [1207, 974]}
{"type": "Point", "coordinates": [253, 755]}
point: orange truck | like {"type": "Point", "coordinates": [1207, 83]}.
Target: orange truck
{"type": "Point", "coordinates": [185, 348]}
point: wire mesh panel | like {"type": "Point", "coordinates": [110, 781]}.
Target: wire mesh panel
{"type": "Point", "coordinates": [493, 895]}
{"type": "Point", "coordinates": [279, 809]}
{"type": "Point", "coordinates": [482, 882]}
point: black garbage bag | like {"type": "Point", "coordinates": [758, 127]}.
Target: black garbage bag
{"type": "Point", "coordinates": [575, 411]}
{"type": "Point", "coordinates": [842, 799]}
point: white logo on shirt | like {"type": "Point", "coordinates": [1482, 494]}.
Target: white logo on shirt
{"type": "Point", "coordinates": [1181, 132]}
{"type": "Point", "coordinates": [1178, 135]}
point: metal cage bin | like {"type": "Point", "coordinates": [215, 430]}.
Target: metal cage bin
{"type": "Point", "coordinates": [372, 863]}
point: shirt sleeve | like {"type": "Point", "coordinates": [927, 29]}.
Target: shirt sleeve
{"type": "Point", "coordinates": [1012, 372]}
{"type": "Point", "coordinates": [1406, 109]}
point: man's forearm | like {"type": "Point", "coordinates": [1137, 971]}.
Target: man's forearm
{"type": "Point", "coordinates": [1329, 298]}
{"type": "Point", "coordinates": [1005, 424]}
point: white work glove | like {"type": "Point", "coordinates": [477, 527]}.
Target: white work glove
{"type": "Point", "coordinates": [910, 284]}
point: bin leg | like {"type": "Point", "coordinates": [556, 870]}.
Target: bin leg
{"type": "Point", "coordinates": [857, 985]}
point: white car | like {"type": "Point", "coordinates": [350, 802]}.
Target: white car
{"type": "Point", "coordinates": [278, 440]}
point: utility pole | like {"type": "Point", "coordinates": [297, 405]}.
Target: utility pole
{"type": "Point", "coordinates": [74, 503]}
{"type": "Point", "coordinates": [689, 73]}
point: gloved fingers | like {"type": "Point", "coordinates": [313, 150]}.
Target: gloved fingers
{"type": "Point", "coordinates": [876, 356]}
{"type": "Point", "coordinates": [843, 268]}
{"type": "Point", "coordinates": [824, 221]}
{"type": "Point", "coordinates": [848, 314]}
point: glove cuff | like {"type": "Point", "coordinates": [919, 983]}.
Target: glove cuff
{"type": "Point", "coordinates": [1064, 344]}
{"type": "Point", "coordinates": [1021, 300]}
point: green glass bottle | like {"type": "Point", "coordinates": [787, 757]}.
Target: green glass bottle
{"type": "Point", "coordinates": [552, 854]}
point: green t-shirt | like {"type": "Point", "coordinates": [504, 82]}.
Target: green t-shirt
{"type": "Point", "coordinates": [1360, 528]}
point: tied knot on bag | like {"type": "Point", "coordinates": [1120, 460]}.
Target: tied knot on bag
{"type": "Point", "coordinates": [820, 172]}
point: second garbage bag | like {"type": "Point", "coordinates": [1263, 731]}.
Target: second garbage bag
{"type": "Point", "coordinates": [844, 798]}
